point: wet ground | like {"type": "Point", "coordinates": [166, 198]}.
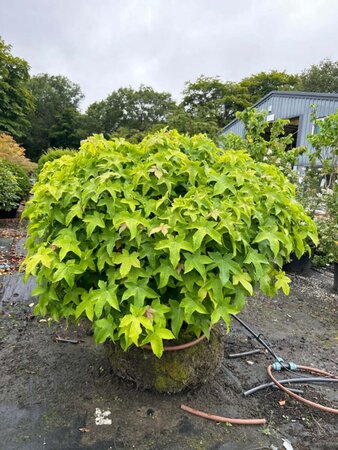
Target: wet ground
{"type": "Point", "coordinates": [61, 395]}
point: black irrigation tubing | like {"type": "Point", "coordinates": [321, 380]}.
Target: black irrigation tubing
{"type": "Point", "coordinates": [308, 380]}
{"type": "Point", "coordinates": [328, 274]}
{"type": "Point", "coordinates": [317, 270]}
{"type": "Point", "coordinates": [279, 364]}
{"type": "Point", "coordinates": [265, 344]}
{"type": "Point", "coordinates": [257, 336]}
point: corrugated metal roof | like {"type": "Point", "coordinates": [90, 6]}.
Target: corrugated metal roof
{"type": "Point", "coordinates": [321, 95]}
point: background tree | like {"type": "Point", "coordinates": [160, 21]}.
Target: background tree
{"type": "Point", "coordinates": [260, 84]}
{"type": "Point", "coordinates": [210, 100]}
{"type": "Point", "coordinates": [322, 77]}
{"type": "Point", "coordinates": [204, 98]}
{"type": "Point", "coordinates": [134, 135]}
{"type": "Point", "coordinates": [16, 101]}
{"type": "Point", "coordinates": [56, 97]}
{"type": "Point", "coordinates": [129, 109]}
{"type": "Point", "coordinates": [185, 122]}
{"type": "Point", "coordinates": [67, 130]}
{"type": "Point", "coordinates": [212, 103]}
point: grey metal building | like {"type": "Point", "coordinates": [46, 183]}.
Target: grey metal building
{"type": "Point", "coordinates": [295, 106]}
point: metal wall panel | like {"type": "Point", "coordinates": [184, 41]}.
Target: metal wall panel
{"type": "Point", "coordinates": [292, 105]}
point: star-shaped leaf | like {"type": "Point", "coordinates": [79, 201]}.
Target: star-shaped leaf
{"type": "Point", "coordinates": [223, 310]}
{"type": "Point", "coordinates": [258, 260]}
{"type": "Point", "coordinates": [244, 279]}
{"type": "Point", "coordinates": [166, 271]}
{"type": "Point", "coordinates": [190, 306]}
{"type": "Point", "coordinates": [160, 229]}
{"type": "Point", "coordinates": [197, 262]}
{"type": "Point", "coordinates": [127, 261]}
{"type": "Point", "coordinates": [75, 211]}
{"type": "Point", "coordinates": [155, 338]}
{"type": "Point", "coordinates": [203, 230]}
{"type": "Point", "coordinates": [225, 265]}
{"type": "Point", "coordinates": [131, 325]}
{"type": "Point", "coordinates": [224, 183]}
{"type": "Point", "coordinates": [94, 220]}
{"type": "Point", "coordinates": [104, 329]}
{"type": "Point", "coordinates": [67, 272]}
{"type": "Point", "coordinates": [283, 282]}
{"type": "Point", "coordinates": [131, 221]}
{"type": "Point", "coordinates": [67, 242]}
{"type": "Point", "coordinates": [43, 256]}
{"type": "Point", "coordinates": [177, 316]}
{"type": "Point", "coordinates": [174, 246]}
{"type": "Point", "coordinates": [272, 237]}
{"type": "Point", "coordinates": [139, 292]}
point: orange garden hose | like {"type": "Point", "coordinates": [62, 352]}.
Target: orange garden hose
{"type": "Point", "coordinates": [172, 348]}
{"type": "Point", "coordinates": [298, 397]}
{"type": "Point", "coordinates": [221, 419]}
{"type": "Point", "coordinates": [196, 412]}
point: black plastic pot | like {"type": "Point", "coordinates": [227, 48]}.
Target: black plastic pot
{"type": "Point", "coordinates": [8, 214]}
{"type": "Point", "coordinates": [298, 265]}
{"type": "Point", "coordinates": [335, 279]}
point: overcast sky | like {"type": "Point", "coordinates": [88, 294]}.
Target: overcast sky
{"type": "Point", "coordinates": [106, 44]}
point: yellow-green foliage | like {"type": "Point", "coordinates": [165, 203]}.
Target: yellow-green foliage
{"type": "Point", "coordinates": [53, 153]}
{"type": "Point", "coordinates": [151, 239]}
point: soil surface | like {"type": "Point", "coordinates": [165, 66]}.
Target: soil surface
{"type": "Point", "coordinates": [61, 395]}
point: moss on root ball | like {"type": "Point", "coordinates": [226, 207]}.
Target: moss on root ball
{"type": "Point", "coordinates": [175, 371]}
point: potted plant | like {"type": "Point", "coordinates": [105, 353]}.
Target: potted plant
{"type": "Point", "coordinates": [155, 243]}
{"type": "Point", "coordinates": [10, 192]}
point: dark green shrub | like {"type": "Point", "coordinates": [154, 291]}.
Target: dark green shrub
{"type": "Point", "coordinates": [53, 153]}
{"type": "Point", "coordinates": [154, 240]}
{"type": "Point", "coordinates": [21, 178]}
{"type": "Point", "coordinates": [10, 192]}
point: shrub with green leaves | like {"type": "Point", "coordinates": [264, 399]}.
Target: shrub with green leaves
{"type": "Point", "coordinates": [53, 153]}
{"type": "Point", "coordinates": [20, 176]}
{"type": "Point", "coordinates": [10, 192]}
{"type": "Point", "coordinates": [327, 250]}
{"type": "Point", "coordinates": [265, 141]}
{"type": "Point", "coordinates": [319, 188]}
{"type": "Point", "coordinates": [155, 240]}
